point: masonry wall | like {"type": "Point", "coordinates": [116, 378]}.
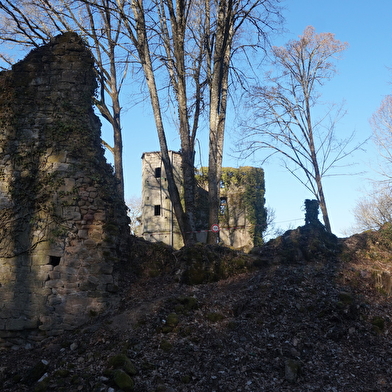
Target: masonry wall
{"type": "Point", "coordinates": [64, 228]}
{"type": "Point", "coordinates": [158, 219]}
{"type": "Point", "coordinates": [235, 228]}
{"type": "Point", "coordinates": [233, 223]}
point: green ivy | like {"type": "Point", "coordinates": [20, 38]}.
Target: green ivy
{"type": "Point", "coordinates": [255, 204]}
{"type": "Point", "coordinates": [246, 187]}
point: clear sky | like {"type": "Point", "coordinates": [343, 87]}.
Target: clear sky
{"type": "Point", "coordinates": [362, 81]}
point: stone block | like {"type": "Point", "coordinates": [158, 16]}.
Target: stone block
{"type": "Point", "coordinates": [54, 283]}
{"type": "Point", "coordinates": [90, 243]}
{"type": "Point", "coordinates": [105, 279]}
{"type": "Point", "coordinates": [46, 323]}
{"type": "Point", "coordinates": [54, 300]}
{"type": "Point", "coordinates": [70, 280]}
{"type": "Point", "coordinates": [68, 186]}
{"type": "Point", "coordinates": [71, 213]}
{"type": "Point", "coordinates": [100, 216]}
{"type": "Point", "coordinates": [54, 275]}
{"type": "Point", "coordinates": [15, 324]}
{"type": "Point", "coordinates": [65, 270]}
{"type": "Point", "coordinates": [95, 235]}
{"type": "Point", "coordinates": [88, 286]}
{"type": "Point", "coordinates": [83, 234]}
{"type": "Point", "coordinates": [7, 276]}
{"type": "Point", "coordinates": [94, 279]}
{"type": "Point", "coordinates": [101, 268]}
{"type": "Point", "coordinates": [83, 271]}
{"type": "Point", "coordinates": [44, 268]}
{"type": "Point", "coordinates": [40, 259]}
{"type": "Point", "coordinates": [60, 166]}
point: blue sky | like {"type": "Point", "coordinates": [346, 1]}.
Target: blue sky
{"type": "Point", "coordinates": [362, 81]}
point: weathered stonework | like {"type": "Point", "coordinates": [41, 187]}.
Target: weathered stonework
{"type": "Point", "coordinates": [159, 223]}
{"type": "Point", "coordinates": [63, 226]}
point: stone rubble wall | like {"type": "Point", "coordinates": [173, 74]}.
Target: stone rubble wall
{"type": "Point", "coordinates": [63, 226]}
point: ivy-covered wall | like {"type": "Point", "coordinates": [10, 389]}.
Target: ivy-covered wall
{"type": "Point", "coordinates": [243, 216]}
{"type": "Point", "coordinates": [63, 227]}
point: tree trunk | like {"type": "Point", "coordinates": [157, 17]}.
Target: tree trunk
{"type": "Point", "coordinates": [323, 206]}
{"type": "Point", "coordinates": [118, 148]}
{"type": "Point", "coordinates": [318, 180]}
{"type": "Point", "coordinates": [313, 155]}
{"type": "Point", "coordinates": [218, 106]}
{"type": "Point", "coordinates": [141, 43]}
{"type": "Point", "coordinates": [178, 21]}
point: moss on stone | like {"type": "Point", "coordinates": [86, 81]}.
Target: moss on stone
{"type": "Point", "coordinates": [172, 320]}
{"type": "Point", "coordinates": [121, 361]}
{"type": "Point", "coordinates": [186, 379]}
{"type": "Point", "coordinates": [214, 317]}
{"type": "Point", "coordinates": [123, 380]}
{"type": "Point", "coordinates": [166, 345]}
{"type": "Point", "coordinates": [185, 304]}
{"type": "Point", "coordinates": [63, 373]}
{"type": "Point", "coordinates": [345, 298]}
{"type": "Point", "coordinates": [378, 323]}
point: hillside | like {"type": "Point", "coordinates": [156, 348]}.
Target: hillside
{"type": "Point", "coordinates": [313, 315]}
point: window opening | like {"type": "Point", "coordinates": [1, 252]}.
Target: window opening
{"type": "Point", "coordinates": [157, 209]}
{"type": "Point", "coordinates": [223, 205]}
{"type": "Point", "coordinates": [54, 260]}
{"type": "Point", "coordinates": [158, 172]}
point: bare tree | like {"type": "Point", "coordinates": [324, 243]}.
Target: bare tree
{"type": "Point", "coordinates": [374, 210]}
{"type": "Point", "coordinates": [381, 122]}
{"type": "Point", "coordinates": [134, 212]}
{"type": "Point", "coordinates": [31, 23]}
{"type": "Point", "coordinates": [283, 111]}
{"type": "Point", "coordinates": [186, 48]}
{"type": "Point", "coordinates": [232, 18]}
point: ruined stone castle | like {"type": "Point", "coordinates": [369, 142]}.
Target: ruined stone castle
{"type": "Point", "coordinates": [241, 219]}
{"type": "Point", "coordinates": [63, 227]}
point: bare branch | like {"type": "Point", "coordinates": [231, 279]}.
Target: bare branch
{"type": "Point", "coordinates": [283, 112]}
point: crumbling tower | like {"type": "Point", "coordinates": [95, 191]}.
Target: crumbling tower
{"type": "Point", "coordinates": [63, 226]}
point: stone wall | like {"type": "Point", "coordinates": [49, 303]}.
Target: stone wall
{"type": "Point", "coordinates": [63, 226]}
{"type": "Point", "coordinates": [159, 223]}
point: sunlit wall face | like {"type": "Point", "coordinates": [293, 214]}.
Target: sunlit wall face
{"type": "Point", "coordinates": [63, 223]}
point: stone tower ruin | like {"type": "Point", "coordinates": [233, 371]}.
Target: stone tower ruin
{"type": "Point", "coordinates": [238, 217]}
{"type": "Point", "coordinates": [159, 223]}
{"type": "Point", "coordinates": [63, 226]}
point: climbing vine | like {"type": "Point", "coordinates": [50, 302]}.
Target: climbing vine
{"type": "Point", "coordinates": [244, 190]}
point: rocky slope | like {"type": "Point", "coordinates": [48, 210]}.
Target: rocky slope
{"type": "Point", "coordinates": [313, 316]}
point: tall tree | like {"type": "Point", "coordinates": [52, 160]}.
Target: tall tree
{"type": "Point", "coordinates": [232, 18]}
{"type": "Point", "coordinates": [284, 112]}
{"type": "Point", "coordinates": [184, 48]}
{"type": "Point", "coordinates": [193, 43]}
{"type": "Point", "coordinates": [31, 23]}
